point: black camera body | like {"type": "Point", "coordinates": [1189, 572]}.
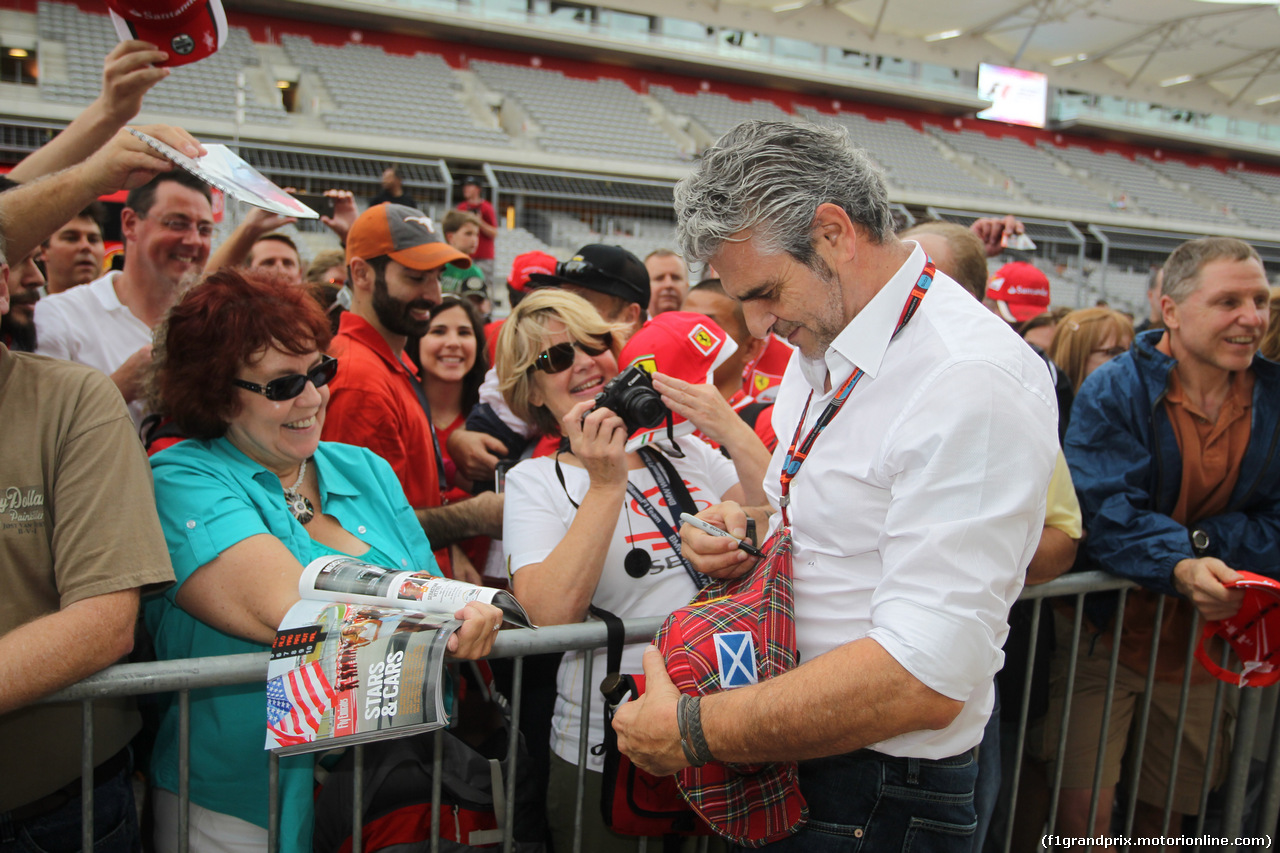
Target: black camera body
{"type": "Point", "coordinates": [630, 396]}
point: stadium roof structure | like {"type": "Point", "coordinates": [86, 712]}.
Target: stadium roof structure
{"type": "Point", "coordinates": [1198, 54]}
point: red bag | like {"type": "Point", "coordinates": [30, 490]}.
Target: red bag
{"type": "Point", "coordinates": [632, 801]}
{"type": "Point", "coordinates": [734, 633]}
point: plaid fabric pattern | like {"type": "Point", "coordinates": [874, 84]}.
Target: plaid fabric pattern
{"type": "Point", "coordinates": [750, 805]}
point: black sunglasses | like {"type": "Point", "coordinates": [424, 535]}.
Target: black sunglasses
{"type": "Point", "coordinates": [558, 358]}
{"type": "Point", "coordinates": [288, 387]}
{"type": "Point", "coordinates": [578, 267]}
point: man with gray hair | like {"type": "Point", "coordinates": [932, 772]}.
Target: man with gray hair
{"type": "Point", "coordinates": [917, 437]}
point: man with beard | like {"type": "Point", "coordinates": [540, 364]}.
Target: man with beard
{"type": "Point", "coordinates": [167, 225]}
{"type": "Point", "coordinates": [917, 437]}
{"type": "Point", "coordinates": [18, 327]}
{"type": "Point", "coordinates": [394, 258]}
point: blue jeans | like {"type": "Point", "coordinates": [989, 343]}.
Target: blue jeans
{"type": "Point", "coordinates": [986, 791]}
{"type": "Point", "coordinates": [115, 823]}
{"type": "Point", "coordinates": [868, 802]}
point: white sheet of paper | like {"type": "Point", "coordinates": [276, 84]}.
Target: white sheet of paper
{"type": "Point", "coordinates": [224, 169]}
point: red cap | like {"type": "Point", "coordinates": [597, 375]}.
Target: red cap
{"type": "Point", "coordinates": [1254, 633]}
{"type": "Point", "coordinates": [681, 344]}
{"type": "Point", "coordinates": [735, 633]}
{"type": "Point", "coordinates": [187, 30]}
{"type": "Point", "coordinates": [528, 263]}
{"type": "Point", "coordinates": [1020, 291]}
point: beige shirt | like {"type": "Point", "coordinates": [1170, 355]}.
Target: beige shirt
{"type": "Point", "coordinates": [77, 519]}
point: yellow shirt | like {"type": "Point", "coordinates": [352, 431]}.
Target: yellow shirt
{"type": "Point", "coordinates": [1063, 509]}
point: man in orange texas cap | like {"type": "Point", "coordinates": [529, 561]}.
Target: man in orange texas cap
{"type": "Point", "coordinates": [394, 258]}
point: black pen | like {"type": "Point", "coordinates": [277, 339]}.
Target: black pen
{"type": "Point", "coordinates": [743, 544]}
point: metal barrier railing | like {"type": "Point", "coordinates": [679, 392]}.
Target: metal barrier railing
{"type": "Point", "coordinates": [182, 676]}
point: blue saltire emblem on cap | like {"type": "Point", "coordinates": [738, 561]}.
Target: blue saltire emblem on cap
{"type": "Point", "coordinates": [736, 658]}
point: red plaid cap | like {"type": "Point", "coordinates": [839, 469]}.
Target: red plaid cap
{"type": "Point", "coordinates": [1254, 633]}
{"type": "Point", "coordinates": [736, 633]}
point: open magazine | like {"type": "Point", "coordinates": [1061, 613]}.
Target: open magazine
{"type": "Point", "coordinates": [361, 656]}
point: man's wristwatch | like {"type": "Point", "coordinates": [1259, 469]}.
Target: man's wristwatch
{"type": "Point", "coordinates": [1199, 542]}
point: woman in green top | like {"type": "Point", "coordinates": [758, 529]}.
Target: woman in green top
{"type": "Point", "coordinates": [246, 501]}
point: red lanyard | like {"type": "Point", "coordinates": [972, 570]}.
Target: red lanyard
{"type": "Point", "coordinates": [795, 457]}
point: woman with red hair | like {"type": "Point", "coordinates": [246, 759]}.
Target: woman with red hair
{"type": "Point", "coordinates": [246, 501]}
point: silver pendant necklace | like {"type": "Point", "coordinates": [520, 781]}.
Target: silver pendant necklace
{"type": "Point", "coordinates": [299, 504]}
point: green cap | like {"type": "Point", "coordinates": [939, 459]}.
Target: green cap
{"type": "Point", "coordinates": [462, 281]}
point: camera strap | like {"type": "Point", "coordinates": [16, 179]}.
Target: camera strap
{"type": "Point", "coordinates": [677, 498]}
{"type": "Point", "coordinates": [416, 383]}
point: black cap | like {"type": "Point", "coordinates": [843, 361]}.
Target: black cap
{"type": "Point", "coordinates": [611, 270]}
{"type": "Point", "coordinates": [472, 179]}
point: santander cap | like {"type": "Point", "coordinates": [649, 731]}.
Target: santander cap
{"type": "Point", "coordinates": [187, 30]}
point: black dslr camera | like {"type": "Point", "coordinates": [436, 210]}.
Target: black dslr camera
{"type": "Point", "coordinates": [630, 396]}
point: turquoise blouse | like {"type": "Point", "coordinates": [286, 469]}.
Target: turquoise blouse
{"type": "Point", "coordinates": [211, 496]}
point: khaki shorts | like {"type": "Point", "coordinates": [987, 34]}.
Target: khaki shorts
{"type": "Point", "coordinates": [1085, 725]}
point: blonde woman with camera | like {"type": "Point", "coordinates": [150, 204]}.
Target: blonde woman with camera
{"type": "Point", "coordinates": [595, 523]}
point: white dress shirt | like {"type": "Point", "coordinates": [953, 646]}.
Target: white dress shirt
{"type": "Point", "coordinates": [88, 324]}
{"type": "Point", "coordinates": [920, 505]}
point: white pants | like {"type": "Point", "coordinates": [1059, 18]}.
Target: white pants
{"type": "Point", "coordinates": [208, 831]}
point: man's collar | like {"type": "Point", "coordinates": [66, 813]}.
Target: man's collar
{"type": "Point", "coordinates": [104, 289]}
{"type": "Point", "coordinates": [864, 340]}
{"type": "Point", "coordinates": [362, 331]}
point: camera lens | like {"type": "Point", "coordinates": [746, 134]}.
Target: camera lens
{"type": "Point", "coordinates": [643, 409]}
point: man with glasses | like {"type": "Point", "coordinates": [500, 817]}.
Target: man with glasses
{"type": "Point", "coordinates": [395, 255]}
{"type": "Point", "coordinates": [167, 225]}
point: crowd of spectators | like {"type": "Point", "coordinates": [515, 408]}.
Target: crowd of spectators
{"type": "Point", "coordinates": [362, 403]}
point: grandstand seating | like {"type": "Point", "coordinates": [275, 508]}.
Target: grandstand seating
{"type": "Point", "coordinates": [515, 242]}
{"type": "Point", "coordinates": [376, 92]}
{"type": "Point", "coordinates": [1267, 183]}
{"type": "Point", "coordinates": [591, 118]}
{"type": "Point", "coordinates": [909, 159]}
{"type": "Point", "coordinates": [718, 114]}
{"type": "Point", "coordinates": [208, 91]}
{"type": "Point", "coordinates": [1035, 173]}
{"type": "Point", "coordinates": [366, 89]}
{"type": "Point", "coordinates": [1126, 289]}
{"type": "Point", "coordinates": [1140, 186]}
{"type": "Point", "coordinates": [1241, 199]}
{"type": "Point", "coordinates": [638, 235]}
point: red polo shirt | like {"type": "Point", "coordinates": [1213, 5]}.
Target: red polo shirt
{"type": "Point", "coordinates": [372, 404]}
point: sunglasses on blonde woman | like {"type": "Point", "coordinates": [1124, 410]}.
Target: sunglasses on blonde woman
{"type": "Point", "coordinates": [558, 358]}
